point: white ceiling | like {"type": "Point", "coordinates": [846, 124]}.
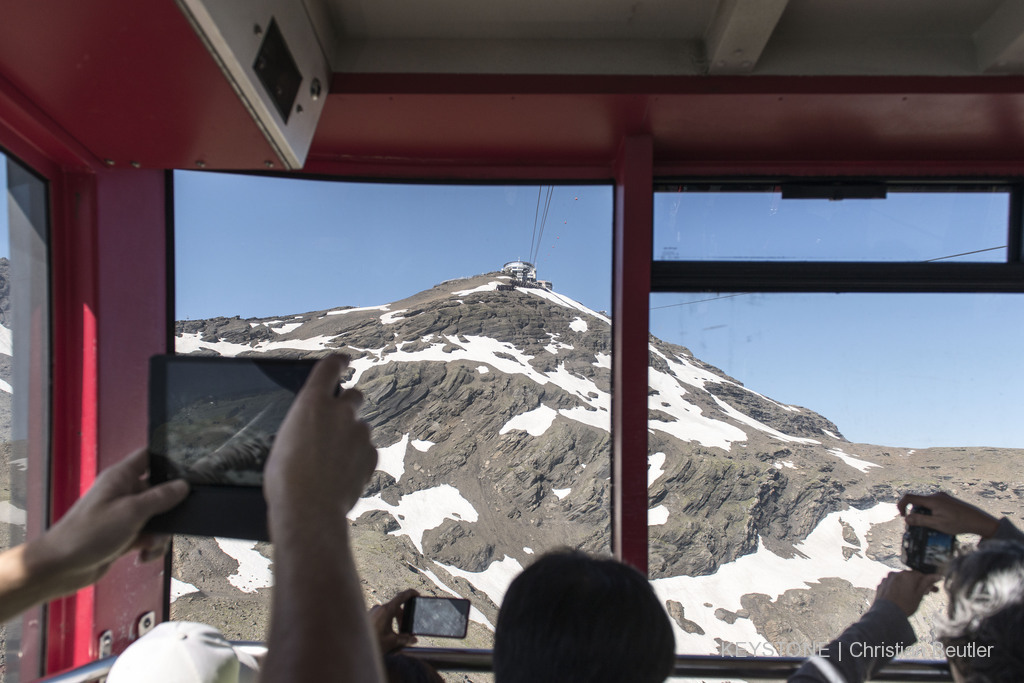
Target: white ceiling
{"type": "Point", "coordinates": [664, 37]}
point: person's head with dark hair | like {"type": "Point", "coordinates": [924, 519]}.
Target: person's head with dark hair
{"type": "Point", "coordinates": [571, 618]}
{"type": "Point", "coordinates": [985, 620]}
{"type": "Point", "coordinates": [401, 668]}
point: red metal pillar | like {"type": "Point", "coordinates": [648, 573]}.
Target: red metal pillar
{"type": "Point", "coordinates": [631, 288]}
{"type": "Point", "coordinates": [73, 460]}
{"type": "Point", "coordinates": [110, 294]}
{"type": "Point", "coordinates": [131, 327]}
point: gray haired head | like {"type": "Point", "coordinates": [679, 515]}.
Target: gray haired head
{"type": "Point", "coordinates": [985, 620]}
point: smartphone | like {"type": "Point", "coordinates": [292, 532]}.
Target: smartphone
{"type": "Point", "coordinates": [444, 617]}
{"type": "Point", "coordinates": [212, 421]}
{"type": "Point", "coordinates": [924, 549]}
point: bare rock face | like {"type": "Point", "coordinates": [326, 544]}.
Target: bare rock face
{"type": "Point", "coordinates": [491, 411]}
{"type": "Point", "coordinates": [677, 612]}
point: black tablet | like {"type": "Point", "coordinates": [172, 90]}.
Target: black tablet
{"type": "Point", "coordinates": [212, 421]}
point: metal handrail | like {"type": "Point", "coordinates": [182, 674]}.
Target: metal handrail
{"type": "Point", "coordinates": [691, 666]}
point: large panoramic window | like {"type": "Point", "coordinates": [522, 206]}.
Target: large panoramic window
{"type": "Point", "coordinates": [24, 387]}
{"type": "Point", "coordinates": [476, 320]}
{"type": "Point", "coordinates": [785, 426]}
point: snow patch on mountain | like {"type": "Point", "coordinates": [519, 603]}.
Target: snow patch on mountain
{"type": "Point", "coordinates": [189, 342]}
{"type": "Point", "coordinates": [494, 580]}
{"type": "Point", "coordinates": [6, 341]}
{"type": "Point", "coordinates": [854, 462]}
{"type": "Point", "coordinates": [345, 311]}
{"type": "Point", "coordinates": [578, 325]}
{"type": "Point", "coordinates": [253, 570]}
{"type": "Point", "coordinates": [420, 511]}
{"type": "Point", "coordinates": [489, 287]}
{"type": "Point", "coordinates": [422, 446]}
{"type": "Point", "coordinates": [12, 514]}
{"type": "Point", "coordinates": [604, 360]}
{"type": "Point", "coordinates": [819, 556]}
{"type": "Point", "coordinates": [286, 328]}
{"type": "Point", "coordinates": [655, 462]}
{"type": "Point", "coordinates": [688, 423]}
{"type": "Point", "coordinates": [555, 346]}
{"type": "Point", "coordinates": [743, 418]}
{"type": "Point", "coordinates": [534, 422]}
{"type": "Point", "coordinates": [565, 301]}
{"type": "Point", "coordinates": [486, 350]}
{"type": "Point", "coordinates": [657, 516]}
{"type": "Point", "coordinates": [180, 588]}
{"type": "Point", "coordinates": [391, 459]}
{"type": "Point", "coordinates": [393, 317]}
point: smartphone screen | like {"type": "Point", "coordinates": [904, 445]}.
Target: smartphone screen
{"type": "Point", "coordinates": [444, 617]}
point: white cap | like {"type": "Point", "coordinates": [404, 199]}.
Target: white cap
{"type": "Point", "coordinates": [183, 652]}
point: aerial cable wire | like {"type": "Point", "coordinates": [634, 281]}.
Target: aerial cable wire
{"type": "Point", "coordinates": [543, 222]}
{"type": "Point", "coordinates": [536, 214]}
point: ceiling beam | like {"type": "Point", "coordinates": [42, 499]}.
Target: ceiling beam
{"type": "Point", "coordinates": [999, 43]}
{"type": "Point", "coordinates": [738, 34]}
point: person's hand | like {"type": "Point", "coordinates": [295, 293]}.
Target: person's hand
{"type": "Point", "coordinates": [103, 525]}
{"type": "Point", "coordinates": [907, 589]}
{"type": "Point", "coordinates": [322, 457]}
{"type": "Point", "coordinates": [949, 515]}
{"type": "Point", "coordinates": [383, 619]}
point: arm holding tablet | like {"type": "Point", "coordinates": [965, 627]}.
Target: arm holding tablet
{"type": "Point", "coordinates": [103, 525]}
{"type": "Point", "coordinates": [320, 463]}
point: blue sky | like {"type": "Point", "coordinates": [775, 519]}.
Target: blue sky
{"type": "Point", "coordinates": [260, 247]}
{"type": "Point", "coordinates": [908, 370]}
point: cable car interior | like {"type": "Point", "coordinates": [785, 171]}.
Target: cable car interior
{"type": "Point", "coordinates": [769, 186]}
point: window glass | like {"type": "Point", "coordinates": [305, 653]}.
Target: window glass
{"type": "Point", "coordinates": [476, 318]}
{"type": "Point", "coordinates": [783, 429]}
{"type": "Point", "coordinates": [24, 386]}
{"type": "Point", "coordinates": [749, 223]}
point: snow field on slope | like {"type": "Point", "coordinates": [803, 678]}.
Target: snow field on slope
{"type": "Point", "coordinates": [657, 516]}
{"type": "Point", "coordinates": [820, 556]}
{"type": "Point", "coordinates": [382, 307]}
{"type": "Point", "coordinates": [391, 459]}
{"type": "Point", "coordinates": [565, 301]}
{"type": "Point", "coordinates": [534, 422]}
{"type": "Point", "coordinates": [485, 350]}
{"type": "Point", "coordinates": [655, 462]}
{"type": "Point", "coordinates": [286, 328]}
{"type": "Point", "coordinates": [854, 462]}
{"type": "Point", "coordinates": [494, 580]}
{"type": "Point", "coordinates": [489, 287]}
{"type": "Point", "coordinates": [690, 422]}
{"type": "Point", "coordinates": [190, 341]}
{"type": "Point", "coordinates": [253, 570]}
{"type": "Point", "coordinates": [180, 588]}
{"type": "Point", "coordinates": [420, 511]}
{"type": "Point", "coordinates": [11, 514]}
